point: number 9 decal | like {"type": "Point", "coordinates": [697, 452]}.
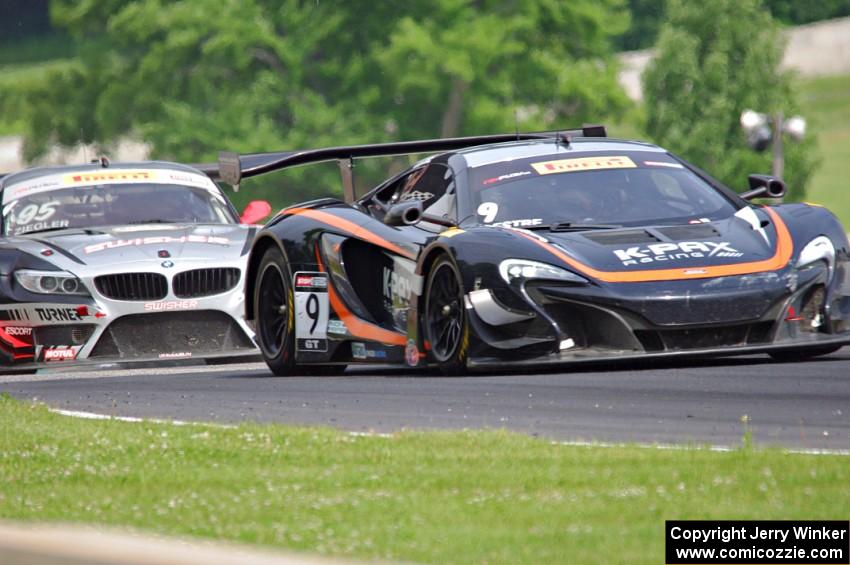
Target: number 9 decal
{"type": "Point", "coordinates": [489, 210]}
{"type": "Point", "coordinates": [313, 311]}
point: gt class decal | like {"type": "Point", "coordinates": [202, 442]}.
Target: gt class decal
{"type": "Point", "coordinates": [311, 311]}
{"type": "Point", "coordinates": [673, 251]}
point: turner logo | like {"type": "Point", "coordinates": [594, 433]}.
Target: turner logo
{"type": "Point", "coordinates": [673, 251]}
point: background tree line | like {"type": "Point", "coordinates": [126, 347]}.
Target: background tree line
{"type": "Point", "coordinates": [195, 77]}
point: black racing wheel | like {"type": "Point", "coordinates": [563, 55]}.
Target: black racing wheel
{"type": "Point", "coordinates": [445, 323]}
{"type": "Point", "coordinates": [274, 313]}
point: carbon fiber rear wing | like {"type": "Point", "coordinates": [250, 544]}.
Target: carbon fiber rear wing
{"type": "Point", "coordinates": [232, 167]}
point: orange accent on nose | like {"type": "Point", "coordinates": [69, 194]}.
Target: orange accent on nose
{"type": "Point", "coordinates": [780, 258]}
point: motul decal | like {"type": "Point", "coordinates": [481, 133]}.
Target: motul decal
{"type": "Point", "coordinates": [60, 353]}
{"type": "Point", "coordinates": [658, 252]}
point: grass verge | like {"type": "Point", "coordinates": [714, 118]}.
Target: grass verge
{"type": "Point", "coordinates": [826, 105]}
{"type": "Point", "coordinates": [458, 497]}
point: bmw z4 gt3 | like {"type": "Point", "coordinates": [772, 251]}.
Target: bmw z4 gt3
{"type": "Point", "coordinates": [125, 262]}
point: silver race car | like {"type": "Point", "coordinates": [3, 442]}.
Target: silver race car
{"type": "Point", "coordinates": [121, 262]}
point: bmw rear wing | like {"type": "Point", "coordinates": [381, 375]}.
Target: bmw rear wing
{"type": "Point", "coordinates": [233, 167]}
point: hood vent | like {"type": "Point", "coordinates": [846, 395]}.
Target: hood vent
{"type": "Point", "coordinates": [689, 232]}
{"type": "Point", "coordinates": [622, 237]}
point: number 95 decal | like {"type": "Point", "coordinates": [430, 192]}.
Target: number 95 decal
{"type": "Point", "coordinates": [311, 311]}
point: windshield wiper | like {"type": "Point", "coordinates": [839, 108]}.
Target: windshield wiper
{"type": "Point", "coordinates": [45, 230]}
{"type": "Point", "coordinates": [570, 226]}
{"type": "Point", "coordinates": [154, 221]}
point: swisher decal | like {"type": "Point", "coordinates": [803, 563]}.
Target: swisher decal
{"type": "Point", "coordinates": [212, 240]}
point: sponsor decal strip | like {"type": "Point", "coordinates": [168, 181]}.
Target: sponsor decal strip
{"type": "Point", "coordinates": [583, 164]}
{"type": "Point", "coordinates": [784, 249]}
{"type": "Point", "coordinates": [355, 325]}
{"type": "Point", "coordinates": [350, 227]}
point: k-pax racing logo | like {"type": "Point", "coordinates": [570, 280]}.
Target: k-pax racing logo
{"type": "Point", "coordinates": [658, 252]}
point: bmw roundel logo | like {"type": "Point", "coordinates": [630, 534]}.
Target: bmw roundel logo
{"type": "Point", "coordinates": [167, 264]}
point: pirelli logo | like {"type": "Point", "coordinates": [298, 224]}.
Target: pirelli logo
{"type": "Point", "coordinates": [111, 176]}
{"type": "Point", "coordinates": [583, 164]}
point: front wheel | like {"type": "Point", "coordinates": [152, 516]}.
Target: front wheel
{"type": "Point", "coordinates": [793, 355]}
{"type": "Point", "coordinates": [446, 324]}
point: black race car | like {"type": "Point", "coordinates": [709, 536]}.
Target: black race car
{"type": "Point", "coordinates": [539, 248]}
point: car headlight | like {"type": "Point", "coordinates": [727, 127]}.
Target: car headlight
{"type": "Point", "coordinates": [522, 269]}
{"type": "Point", "coordinates": [51, 282]}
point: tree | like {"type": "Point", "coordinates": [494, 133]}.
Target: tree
{"type": "Point", "coordinates": [714, 60]}
{"type": "Point", "coordinates": [193, 78]}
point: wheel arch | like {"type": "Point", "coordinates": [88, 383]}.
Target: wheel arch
{"type": "Point", "coordinates": [258, 250]}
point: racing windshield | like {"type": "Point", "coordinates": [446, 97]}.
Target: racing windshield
{"type": "Point", "coordinates": [113, 197]}
{"type": "Point", "coordinates": [622, 188]}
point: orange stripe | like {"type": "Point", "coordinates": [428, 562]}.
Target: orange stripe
{"type": "Point", "coordinates": [355, 325]}
{"type": "Point", "coordinates": [350, 227]}
{"type": "Point", "coordinates": [784, 249]}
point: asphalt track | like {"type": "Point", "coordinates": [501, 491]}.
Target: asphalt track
{"type": "Point", "coordinates": [795, 405]}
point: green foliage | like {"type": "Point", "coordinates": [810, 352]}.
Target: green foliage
{"type": "Point", "coordinates": [714, 60]}
{"type": "Point", "coordinates": [193, 78]}
{"type": "Point", "coordinates": [796, 12]}
{"type": "Point", "coordinates": [646, 17]}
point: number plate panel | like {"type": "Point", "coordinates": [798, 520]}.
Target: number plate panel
{"type": "Point", "coordinates": [311, 311]}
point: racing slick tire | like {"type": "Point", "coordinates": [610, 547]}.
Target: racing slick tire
{"type": "Point", "coordinates": [274, 313]}
{"type": "Point", "coordinates": [445, 322]}
{"type": "Point", "coordinates": [792, 355]}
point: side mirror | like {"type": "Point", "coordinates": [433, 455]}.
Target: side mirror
{"type": "Point", "coordinates": [255, 211]}
{"type": "Point", "coordinates": [405, 213]}
{"type": "Point", "coordinates": [764, 186]}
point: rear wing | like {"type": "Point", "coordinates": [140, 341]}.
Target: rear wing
{"type": "Point", "coordinates": [233, 167]}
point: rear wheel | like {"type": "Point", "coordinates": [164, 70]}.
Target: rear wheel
{"type": "Point", "coordinates": [446, 325]}
{"type": "Point", "coordinates": [792, 355]}
{"type": "Point", "coordinates": [274, 312]}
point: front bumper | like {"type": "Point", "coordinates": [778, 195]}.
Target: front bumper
{"type": "Point", "coordinates": [100, 330]}
{"type": "Point", "coordinates": [721, 316]}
